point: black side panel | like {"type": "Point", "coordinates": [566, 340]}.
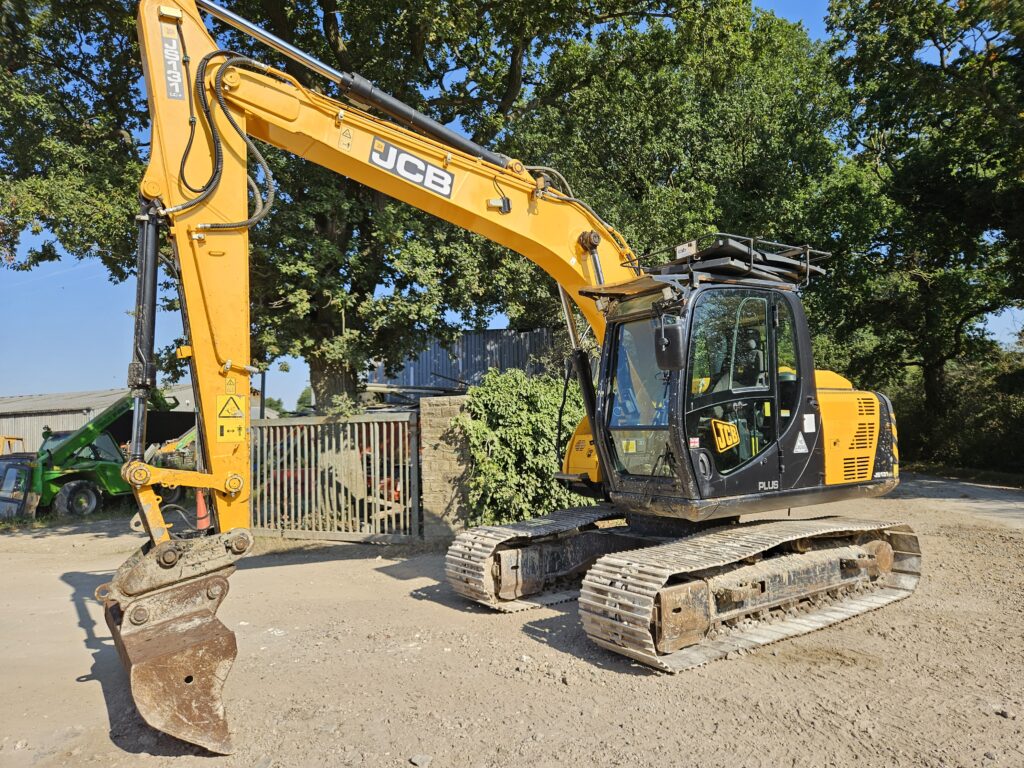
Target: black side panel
{"type": "Point", "coordinates": [885, 454]}
{"type": "Point", "coordinates": [802, 444]}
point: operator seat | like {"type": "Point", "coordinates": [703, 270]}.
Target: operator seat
{"type": "Point", "coordinates": [750, 370]}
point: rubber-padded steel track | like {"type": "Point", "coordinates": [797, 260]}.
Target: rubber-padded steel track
{"type": "Point", "coordinates": [467, 565]}
{"type": "Point", "coordinates": [617, 601]}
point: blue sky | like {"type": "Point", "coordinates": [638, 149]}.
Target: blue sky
{"type": "Point", "coordinates": [68, 328]}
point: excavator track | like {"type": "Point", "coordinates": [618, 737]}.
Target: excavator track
{"type": "Point", "coordinates": [470, 563]}
{"type": "Point", "coordinates": [679, 605]}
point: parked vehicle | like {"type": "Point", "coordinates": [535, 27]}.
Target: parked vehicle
{"type": "Point", "coordinates": [74, 471]}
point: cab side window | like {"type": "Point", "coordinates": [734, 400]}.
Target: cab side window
{"type": "Point", "coordinates": [789, 362]}
{"type": "Point", "coordinates": [14, 483]}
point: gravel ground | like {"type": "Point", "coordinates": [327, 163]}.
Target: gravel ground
{"type": "Point", "coordinates": [355, 655]}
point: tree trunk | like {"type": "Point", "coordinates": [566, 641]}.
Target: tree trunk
{"type": "Point", "coordinates": [936, 405]}
{"type": "Point", "coordinates": [329, 381]}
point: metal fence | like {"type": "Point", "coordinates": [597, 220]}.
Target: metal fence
{"type": "Point", "coordinates": [352, 479]}
{"type": "Point", "coordinates": [468, 358]}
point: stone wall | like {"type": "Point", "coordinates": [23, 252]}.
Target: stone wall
{"type": "Point", "coordinates": [443, 466]}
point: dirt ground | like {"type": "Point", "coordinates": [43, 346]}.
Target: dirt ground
{"type": "Point", "coordinates": [356, 655]}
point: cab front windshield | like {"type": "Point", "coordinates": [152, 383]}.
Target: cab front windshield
{"type": "Point", "coordinates": [639, 403]}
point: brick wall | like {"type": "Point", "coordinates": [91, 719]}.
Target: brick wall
{"type": "Point", "coordinates": [443, 465]}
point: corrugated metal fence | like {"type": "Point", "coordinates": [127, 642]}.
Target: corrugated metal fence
{"type": "Point", "coordinates": [469, 359]}
{"type": "Point", "coordinates": [353, 479]}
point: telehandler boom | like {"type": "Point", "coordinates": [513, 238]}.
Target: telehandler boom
{"type": "Point", "coordinates": [706, 406]}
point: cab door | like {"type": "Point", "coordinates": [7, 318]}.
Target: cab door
{"type": "Point", "coordinates": [731, 392]}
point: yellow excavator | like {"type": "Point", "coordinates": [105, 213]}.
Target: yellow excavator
{"type": "Point", "coordinates": [705, 405]}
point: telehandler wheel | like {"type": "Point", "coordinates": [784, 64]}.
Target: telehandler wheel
{"type": "Point", "coordinates": [79, 498]}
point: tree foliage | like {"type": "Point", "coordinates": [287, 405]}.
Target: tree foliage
{"type": "Point", "coordinates": [304, 401]}
{"type": "Point", "coordinates": [898, 144]}
{"type": "Point", "coordinates": [71, 109]}
{"type": "Point", "coordinates": [724, 119]}
{"type": "Point", "coordinates": [979, 429]}
{"type": "Point", "coordinates": [936, 140]}
{"type": "Point", "coordinates": [340, 274]}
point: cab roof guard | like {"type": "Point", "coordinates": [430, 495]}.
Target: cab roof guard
{"type": "Point", "coordinates": [724, 258]}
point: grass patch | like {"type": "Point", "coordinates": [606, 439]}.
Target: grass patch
{"type": "Point", "coordinates": [985, 476]}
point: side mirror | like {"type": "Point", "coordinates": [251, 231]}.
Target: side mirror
{"type": "Point", "coordinates": [669, 342]}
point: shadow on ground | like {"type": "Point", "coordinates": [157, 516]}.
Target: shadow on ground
{"type": "Point", "coordinates": [564, 632]}
{"type": "Point", "coordinates": [397, 559]}
{"type": "Point", "coordinates": [102, 527]}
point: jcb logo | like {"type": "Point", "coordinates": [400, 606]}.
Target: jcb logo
{"type": "Point", "coordinates": [172, 62]}
{"type": "Point", "coordinates": [726, 434]}
{"type": "Point", "coordinates": [411, 168]}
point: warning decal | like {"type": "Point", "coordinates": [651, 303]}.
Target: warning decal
{"type": "Point", "coordinates": [801, 444]}
{"type": "Point", "coordinates": [230, 418]}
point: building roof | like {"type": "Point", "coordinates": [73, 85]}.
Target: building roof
{"type": "Point", "coordinates": [96, 400]}
{"type": "Point", "coordinates": [60, 402]}
{"type": "Point", "coordinates": [72, 402]}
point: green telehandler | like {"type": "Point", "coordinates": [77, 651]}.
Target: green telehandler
{"type": "Point", "coordinates": [73, 472]}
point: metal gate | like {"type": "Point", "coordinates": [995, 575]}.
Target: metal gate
{"type": "Point", "coordinates": [351, 479]}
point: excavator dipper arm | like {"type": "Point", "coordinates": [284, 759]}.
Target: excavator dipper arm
{"type": "Point", "coordinates": [206, 105]}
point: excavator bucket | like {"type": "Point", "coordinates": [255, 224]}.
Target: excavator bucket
{"type": "Point", "coordinates": [178, 654]}
{"type": "Point", "coordinates": [177, 671]}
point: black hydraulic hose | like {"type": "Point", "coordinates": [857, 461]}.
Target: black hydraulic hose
{"type": "Point", "coordinates": [186, 61]}
{"type": "Point", "coordinates": [566, 375]}
{"type": "Point", "coordinates": [262, 206]}
{"type": "Point", "coordinates": [215, 141]}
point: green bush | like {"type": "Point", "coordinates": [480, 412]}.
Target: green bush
{"type": "Point", "coordinates": [510, 426]}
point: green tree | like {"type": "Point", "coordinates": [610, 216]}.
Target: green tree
{"type": "Point", "coordinates": [275, 404]}
{"type": "Point", "coordinates": [340, 274]}
{"type": "Point", "coordinates": [70, 112]}
{"type": "Point", "coordinates": [510, 428]}
{"type": "Point", "coordinates": [304, 401]}
{"type": "Point", "coordinates": [725, 122]}
{"type": "Point", "coordinates": [935, 132]}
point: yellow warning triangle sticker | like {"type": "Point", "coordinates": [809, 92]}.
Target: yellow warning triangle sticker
{"type": "Point", "coordinates": [231, 409]}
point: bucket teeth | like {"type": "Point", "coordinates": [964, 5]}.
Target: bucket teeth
{"type": "Point", "coordinates": [178, 655]}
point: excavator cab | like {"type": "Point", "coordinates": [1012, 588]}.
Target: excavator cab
{"type": "Point", "coordinates": [706, 402]}
{"type": "Point", "coordinates": [712, 416]}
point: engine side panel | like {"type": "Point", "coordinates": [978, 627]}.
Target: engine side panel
{"type": "Point", "coordinates": [853, 424]}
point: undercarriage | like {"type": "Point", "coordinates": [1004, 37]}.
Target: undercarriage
{"type": "Point", "coordinates": [677, 596]}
